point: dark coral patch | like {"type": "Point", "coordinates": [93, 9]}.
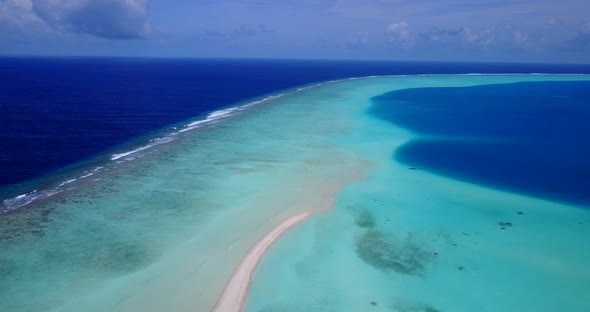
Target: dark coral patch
{"type": "Point", "coordinates": [416, 308]}
{"type": "Point", "coordinates": [365, 220]}
{"type": "Point", "coordinates": [405, 256]}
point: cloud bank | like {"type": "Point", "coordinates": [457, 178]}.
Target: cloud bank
{"type": "Point", "coordinates": [111, 19]}
{"type": "Point", "coordinates": [483, 30]}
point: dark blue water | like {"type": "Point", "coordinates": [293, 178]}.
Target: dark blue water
{"type": "Point", "coordinates": [529, 137]}
{"type": "Point", "coordinates": [58, 111]}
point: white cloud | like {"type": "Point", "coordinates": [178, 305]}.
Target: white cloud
{"type": "Point", "coordinates": [469, 36]}
{"type": "Point", "coordinates": [359, 40]}
{"type": "Point", "coordinates": [113, 19]}
{"type": "Point", "coordinates": [519, 38]}
{"type": "Point", "coordinates": [16, 15]}
{"type": "Point", "coordinates": [399, 32]}
{"type": "Point", "coordinates": [482, 38]}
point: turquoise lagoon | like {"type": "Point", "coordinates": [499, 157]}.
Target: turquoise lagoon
{"type": "Point", "coordinates": [163, 228]}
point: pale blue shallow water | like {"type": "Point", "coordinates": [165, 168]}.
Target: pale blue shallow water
{"type": "Point", "coordinates": [409, 240]}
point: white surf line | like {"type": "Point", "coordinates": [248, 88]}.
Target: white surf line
{"type": "Point", "coordinates": [234, 295]}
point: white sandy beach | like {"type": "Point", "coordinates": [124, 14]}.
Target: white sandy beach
{"type": "Point", "coordinates": [236, 290]}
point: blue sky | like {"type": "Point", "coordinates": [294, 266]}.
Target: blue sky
{"type": "Point", "coordinates": [470, 30]}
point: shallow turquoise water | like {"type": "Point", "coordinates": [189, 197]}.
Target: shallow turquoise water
{"type": "Point", "coordinates": [408, 240]}
{"type": "Point", "coordinates": [165, 230]}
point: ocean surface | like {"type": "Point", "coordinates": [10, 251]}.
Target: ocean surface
{"type": "Point", "coordinates": [452, 192]}
{"type": "Point", "coordinates": [69, 112]}
{"type": "Point", "coordinates": [527, 137]}
{"type": "Point", "coordinates": [423, 233]}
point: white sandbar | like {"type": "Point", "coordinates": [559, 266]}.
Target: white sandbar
{"type": "Point", "coordinates": [236, 290]}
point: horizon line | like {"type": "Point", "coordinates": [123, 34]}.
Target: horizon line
{"type": "Point", "coordinates": [9, 56]}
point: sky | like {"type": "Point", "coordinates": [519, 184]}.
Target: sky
{"type": "Point", "coordinates": [550, 31]}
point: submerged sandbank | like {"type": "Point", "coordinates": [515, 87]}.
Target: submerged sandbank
{"type": "Point", "coordinates": [236, 290]}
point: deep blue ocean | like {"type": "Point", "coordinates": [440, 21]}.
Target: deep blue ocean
{"type": "Point", "coordinates": [528, 137]}
{"type": "Point", "coordinates": [62, 112]}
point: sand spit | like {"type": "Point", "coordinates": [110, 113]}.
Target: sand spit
{"type": "Point", "coordinates": [234, 295]}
